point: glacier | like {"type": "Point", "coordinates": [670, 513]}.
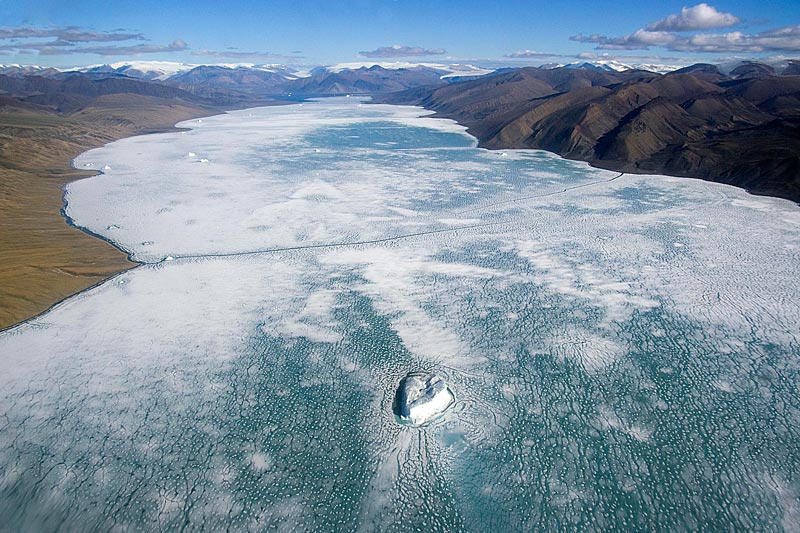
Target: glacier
{"type": "Point", "coordinates": [624, 347]}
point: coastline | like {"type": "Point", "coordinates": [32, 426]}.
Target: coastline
{"type": "Point", "coordinates": [626, 167]}
{"type": "Point", "coordinates": [44, 257]}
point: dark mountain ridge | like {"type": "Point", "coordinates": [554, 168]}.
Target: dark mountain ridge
{"type": "Point", "coordinates": [260, 81]}
{"type": "Point", "coordinates": [73, 92]}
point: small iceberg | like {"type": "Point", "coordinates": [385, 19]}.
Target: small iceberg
{"type": "Point", "coordinates": [191, 154]}
{"type": "Point", "coordinates": [204, 160]}
{"type": "Point", "coordinates": [169, 258]}
{"type": "Point", "coordinates": [107, 167]}
{"type": "Point", "coordinates": [112, 226]}
{"type": "Point", "coordinates": [421, 398]}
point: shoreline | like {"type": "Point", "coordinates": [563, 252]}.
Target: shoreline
{"type": "Point", "coordinates": [69, 222]}
{"type": "Point", "coordinates": [45, 257]}
{"type": "Point", "coordinates": [488, 142]}
{"type": "Point", "coordinates": [625, 167]}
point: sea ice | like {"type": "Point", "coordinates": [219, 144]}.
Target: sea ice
{"type": "Point", "coordinates": [422, 397]}
{"type": "Point", "coordinates": [603, 375]}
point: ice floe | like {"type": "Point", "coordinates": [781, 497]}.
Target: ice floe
{"type": "Point", "coordinates": [422, 397]}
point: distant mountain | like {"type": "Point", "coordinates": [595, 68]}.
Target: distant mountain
{"type": "Point", "coordinates": [448, 70]}
{"type": "Point", "coordinates": [752, 70]}
{"type": "Point", "coordinates": [249, 80]}
{"type": "Point", "coordinates": [77, 90]}
{"type": "Point", "coordinates": [792, 68]}
{"type": "Point", "coordinates": [343, 78]}
{"type": "Point", "coordinates": [605, 66]}
{"type": "Point", "coordinates": [20, 71]}
{"type": "Point", "coordinates": [144, 70]}
{"type": "Point", "coordinates": [617, 66]}
{"type": "Point", "coordinates": [265, 80]}
{"type": "Point", "coordinates": [704, 71]}
{"type": "Point", "coordinates": [694, 122]}
{"type": "Point", "coordinates": [375, 79]}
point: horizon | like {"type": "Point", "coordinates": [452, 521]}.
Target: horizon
{"type": "Point", "coordinates": [315, 33]}
{"type": "Point", "coordinates": [169, 69]}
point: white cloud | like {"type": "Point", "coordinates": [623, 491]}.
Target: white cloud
{"type": "Point", "coordinates": [785, 39]}
{"type": "Point", "coordinates": [519, 54]}
{"type": "Point", "coordinates": [397, 50]}
{"type": "Point", "coordinates": [664, 33]}
{"type": "Point", "coordinates": [699, 17]}
{"type": "Point", "coordinates": [638, 40]}
{"type": "Point", "coordinates": [69, 40]}
{"type": "Point", "coordinates": [69, 34]}
{"type": "Point", "coordinates": [652, 38]}
{"type": "Point", "coordinates": [239, 54]}
{"type": "Point", "coordinates": [136, 49]}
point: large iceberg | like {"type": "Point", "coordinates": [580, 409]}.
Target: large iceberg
{"type": "Point", "coordinates": [422, 397]}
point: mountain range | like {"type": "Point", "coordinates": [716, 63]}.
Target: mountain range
{"type": "Point", "coordinates": [267, 80]}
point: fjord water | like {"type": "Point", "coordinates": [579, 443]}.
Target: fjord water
{"type": "Point", "coordinates": [623, 350]}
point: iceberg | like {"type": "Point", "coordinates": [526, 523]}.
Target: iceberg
{"type": "Point", "coordinates": [422, 397]}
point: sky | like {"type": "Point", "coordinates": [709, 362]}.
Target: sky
{"type": "Point", "coordinates": [322, 32]}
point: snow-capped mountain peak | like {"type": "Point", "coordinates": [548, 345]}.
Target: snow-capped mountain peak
{"type": "Point", "coordinates": [618, 66]}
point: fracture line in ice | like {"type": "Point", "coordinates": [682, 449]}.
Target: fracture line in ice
{"type": "Point", "coordinates": [542, 195]}
{"type": "Point", "coordinates": [385, 239]}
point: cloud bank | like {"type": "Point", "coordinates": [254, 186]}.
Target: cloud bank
{"type": "Point", "coordinates": [175, 46]}
{"type": "Point", "coordinates": [785, 39]}
{"type": "Point", "coordinates": [70, 40]}
{"type": "Point", "coordinates": [671, 33]}
{"type": "Point", "coordinates": [523, 54]}
{"type": "Point", "coordinates": [397, 50]}
{"type": "Point", "coordinates": [69, 34]}
{"type": "Point", "coordinates": [239, 54]}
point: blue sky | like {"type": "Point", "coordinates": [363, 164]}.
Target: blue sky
{"type": "Point", "coordinates": [81, 32]}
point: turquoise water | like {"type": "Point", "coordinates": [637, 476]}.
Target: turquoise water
{"type": "Point", "coordinates": [623, 350]}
